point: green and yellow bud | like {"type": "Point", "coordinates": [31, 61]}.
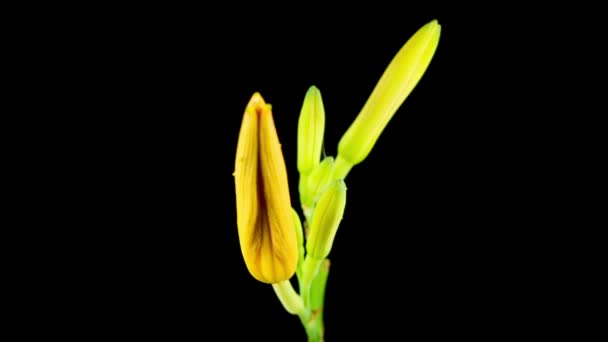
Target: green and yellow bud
{"type": "Point", "coordinates": [325, 220]}
{"type": "Point", "coordinates": [264, 215]}
{"type": "Point", "coordinates": [311, 126]}
{"type": "Point", "coordinates": [397, 82]}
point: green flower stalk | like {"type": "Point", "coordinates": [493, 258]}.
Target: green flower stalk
{"type": "Point", "coordinates": [289, 298]}
{"type": "Point", "coordinates": [397, 82]}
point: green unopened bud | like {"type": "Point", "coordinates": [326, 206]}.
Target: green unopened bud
{"type": "Point", "coordinates": [397, 82]}
{"type": "Point", "coordinates": [298, 225]}
{"type": "Point", "coordinates": [315, 183]}
{"type": "Point", "coordinates": [300, 237]}
{"type": "Point", "coordinates": [311, 126]}
{"type": "Point", "coordinates": [326, 219]}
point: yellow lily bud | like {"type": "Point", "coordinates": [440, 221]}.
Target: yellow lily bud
{"type": "Point", "coordinates": [264, 216]}
{"type": "Point", "coordinates": [325, 220]}
{"type": "Point", "coordinates": [397, 82]}
{"type": "Point", "coordinates": [311, 126]}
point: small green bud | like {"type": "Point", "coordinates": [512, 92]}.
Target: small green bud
{"type": "Point", "coordinates": [315, 183]}
{"type": "Point", "coordinates": [326, 219]}
{"type": "Point", "coordinates": [397, 82]}
{"type": "Point", "coordinates": [311, 126]}
{"type": "Point", "coordinates": [300, 238]}
{"type": "Point", "coordinates": [298, 225]}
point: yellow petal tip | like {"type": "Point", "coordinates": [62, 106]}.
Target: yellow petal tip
{"type": "Point", "coordinates": [256, 103]}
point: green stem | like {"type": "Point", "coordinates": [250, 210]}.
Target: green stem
{"type": "Point", "coordinates": [313, 325]}
{"type": "Point", "coordinates": [310, 268]}
{"type": "Point", "coordinates": [312, 278]}
{"type": "Point", "coordinates": [289, 298]}
{"type": "Point", "coordinates": [313, 296]}
{"type": "Point", "coordinates": [341, 168]}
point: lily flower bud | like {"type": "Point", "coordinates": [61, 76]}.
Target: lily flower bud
{"type": "Point", "coordinates": [265, 223]}
{"type": "Point", "coordinates": [397, 82]}
{"type": "Point", "coordinates": [311, 126]}
{"type": "Point", "coordinates": [326, 219]}
{"type": "Point", "coordinates": [320, 178]}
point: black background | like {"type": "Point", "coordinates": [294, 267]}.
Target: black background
{"type": "Point", "coordinates": [432, 232]}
